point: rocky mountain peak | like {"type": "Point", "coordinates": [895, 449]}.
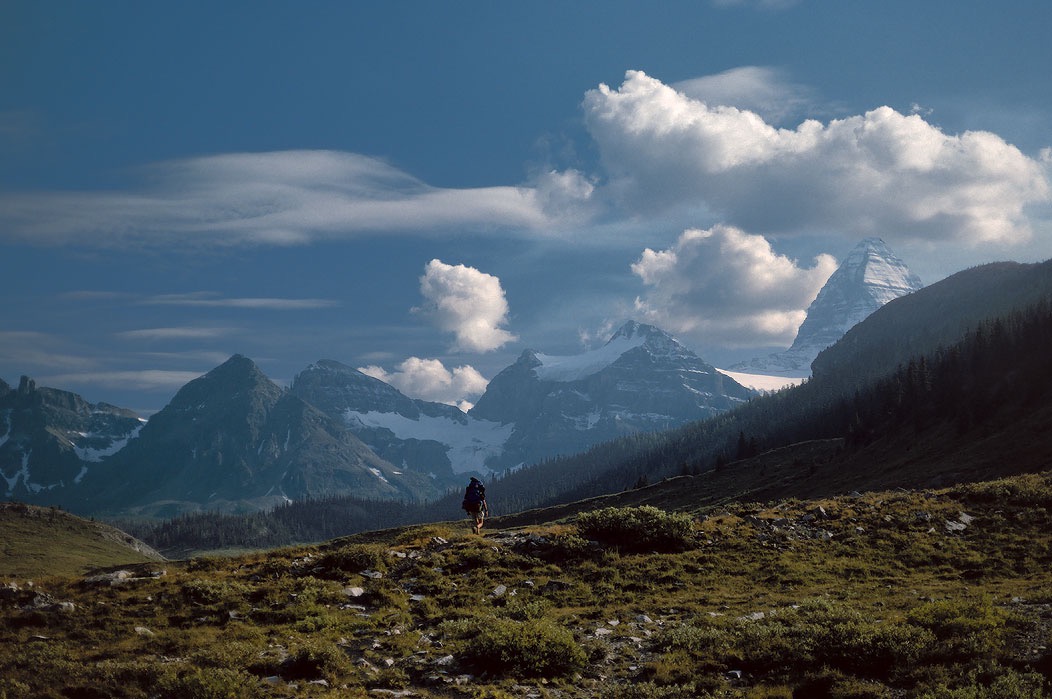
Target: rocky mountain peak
{"type": "Point", "coordinates": [232, 380]}
{"type": "Point", "coordinates": [870, 276]}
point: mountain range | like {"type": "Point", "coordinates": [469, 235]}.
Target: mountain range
{"type": "Point", "coordinates": [233, 440]}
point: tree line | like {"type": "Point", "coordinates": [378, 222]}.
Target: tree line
{"type": "Point", "coordinates": [1001, 367]}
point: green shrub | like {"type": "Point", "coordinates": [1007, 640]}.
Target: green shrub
{"type": "Point", "coordinates": [699, 640]}
{"type": "Point", "coordinates": [350, 559]}
{"type": "Point", "coordinates": [651, 690]}
{"type": "Point", "coordinates": [523, 609]}
{"type": "Point", "coordinates": [207, 683]}
{"type": "Point", "coordinates": [963, 628]}
{"type": "Point", "coordinates": [990, 681]}
{"type": "Point", "coordinates": [208, 591]}
{"type": "Point", "coordinates": [638, 529]}
{"type": "Point", "coordinates": [535, 648]}
{"type": "Point", "coordinates": [565, 548]}
{"type": "Point", "coordinates": [315, 660]}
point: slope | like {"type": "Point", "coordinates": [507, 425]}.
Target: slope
{"type": "Point", "coordinates": [938, 315]}
{"type": "Point", "coordinates": [938, 593]}
{"type": "Point", "coordinates": [40, 541]}
{"type": "Point", "coordinates": [962, 413]}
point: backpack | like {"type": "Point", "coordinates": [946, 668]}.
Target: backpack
{"type": "Point", "coordinates": [474, 495]}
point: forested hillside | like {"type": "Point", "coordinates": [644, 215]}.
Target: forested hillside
{"type": "Point", "coordinates": [975, 410]}
{"type": "Point", "coordinates": [998, 379]}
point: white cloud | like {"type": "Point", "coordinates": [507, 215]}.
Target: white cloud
{"type": "Point", "coordinates": [180, 333]}
{"type": "Point", "coordinates": [279, 198]}
{"type": "Point", "coordinates": [208, 299]}
{"type": "Point", "coordinates": [725, 286]}
{"type": "Point", "coordinates": [466, 302]}
{"type": "Point", "coordinates": [30, 351]}
{"type": "Point", "coordinates": [759, 89]}
{"type": "Point", "coordinates": [880, 173]}
{"type": "Point", "coordinates": [429, 379]}
{"type": "Point", "coordinates": [146, 379]}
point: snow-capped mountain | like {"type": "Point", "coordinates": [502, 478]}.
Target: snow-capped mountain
{"type": "Point", "coordinates": [642, 379]}
{"type": "Point", "coordinates": [540, 406]}
{"type": "Point", "coordinates": [51, 439]}
{"type": "Point", "coordinates": [869, 277]}
{"type": "Point", "coordinates": [433, 439]}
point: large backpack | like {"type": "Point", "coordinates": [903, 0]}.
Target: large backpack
{"type": "Point", "coordinates": [473, 496]}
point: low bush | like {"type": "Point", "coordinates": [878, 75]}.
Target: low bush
{"type": "Point", "coordinates": [207, 683]}
{"type": "Point", "coordinates": [639, 529]}
{"type": "Point", "coordinates": [964, 629]}
{"type": "Point", "coordinates": [534, 648]}
{"type": "Point", "coordinates": [350, 559]}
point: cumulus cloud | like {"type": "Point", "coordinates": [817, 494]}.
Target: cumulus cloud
{"type": "Point", "coordinates": [279, 198]}
{"type": "Point", "coordinates": [723, 285]}
{"type": "Point", "coordinates": [880, 173]}
{"type": "Point", "coordinates": [429, 379]}
{"type": "Point", "coordinates": [466, 302]}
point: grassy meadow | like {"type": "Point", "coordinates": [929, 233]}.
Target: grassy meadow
{"type": "Point", "coordinates": [939, 593]}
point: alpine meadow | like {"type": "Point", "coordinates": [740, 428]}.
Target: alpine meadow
{"type": "Point", "coordinates": [687, 350]}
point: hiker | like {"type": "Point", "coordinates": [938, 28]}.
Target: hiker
{"type": "Point", "coordinates": [475, 503]}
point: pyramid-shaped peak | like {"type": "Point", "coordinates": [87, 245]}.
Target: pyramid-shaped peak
{"type": "Point", "coordinates": [632, 330]}
{"type": "Point", "coordinates": [228, 379]}
{"type": "Point", "coordinates": [237, 366]}
{"type": "Point", "coordinates": [874, 271]}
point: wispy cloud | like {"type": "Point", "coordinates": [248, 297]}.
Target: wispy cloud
{"type": "Point", "coordinates": [180, 333]}
{"type": "Point", "coordinates": [209, 299]}
{"type": "Point", "coordinates": [35, 351]}
{"type": "Point", "coordinates": [279, 198]}
{"type": "Point", "coordinates": [145, 379]}
{"type": "Point", "coordinates": [761, 89]}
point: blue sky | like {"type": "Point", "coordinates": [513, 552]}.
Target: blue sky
{"type": "Point", "coordinates": [425, 189]}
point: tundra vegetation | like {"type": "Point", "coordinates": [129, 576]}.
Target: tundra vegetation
{"type": "Point", "coordinates": [941, 594]}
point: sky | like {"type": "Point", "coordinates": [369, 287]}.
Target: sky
{"type": "Point", "coordinates": [423, 190]}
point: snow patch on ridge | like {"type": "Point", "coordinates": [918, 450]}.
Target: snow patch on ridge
{"type": "Point", "coordinates": [469, 445]}
{"type": "Point", "coordinates": [763, 382]}
{"type": "Point", "coordinates": [575, 367]}
{"type": "Point", "coordinates": [95, 455]}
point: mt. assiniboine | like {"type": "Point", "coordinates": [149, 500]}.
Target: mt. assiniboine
{"type": "Point", "coordinates": [869, 277]}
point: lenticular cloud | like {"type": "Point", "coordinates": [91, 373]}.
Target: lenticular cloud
{"type": "Point", "coordinates": [870, 174]}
